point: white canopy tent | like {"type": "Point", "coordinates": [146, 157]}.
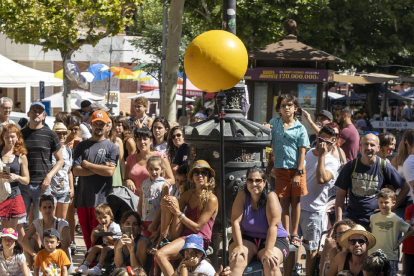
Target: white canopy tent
{"type": "Point", "coordinates": [155, 95]}
{"type": "Point", "coordinates": [56, 100]}
{"type": "Point", "coordinates": [15, 75]}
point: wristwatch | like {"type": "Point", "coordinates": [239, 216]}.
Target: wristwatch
{"type": "Point", "coordinates": [300, 172]}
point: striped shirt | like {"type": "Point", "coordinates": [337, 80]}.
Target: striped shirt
{"type": "Point", "coordinates": [41, 144]}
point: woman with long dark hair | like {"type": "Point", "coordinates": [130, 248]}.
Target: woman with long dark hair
{"type": "Point", "coordinates": [111, 135]}
{"type": "Point", "coordinates": [123, 131]}
{"type": "Point", "coordinates": [256, 227]}
{"type": "Point", "coordinates": [174, 141]}
{"type": "Point", "coordinates": [159, 129]}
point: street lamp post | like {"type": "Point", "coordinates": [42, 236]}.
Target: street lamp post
{"type": "Point", "coordinates": [228, 24]}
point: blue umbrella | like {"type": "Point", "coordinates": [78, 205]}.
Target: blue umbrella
{"type": "Point", "coordinates": [96, 68]}
{"type": "Point", "coordinates": [102, 76]}
{"type": "Point", "coordinates": [100, 71]}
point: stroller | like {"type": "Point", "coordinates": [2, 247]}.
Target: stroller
{"type": "Point", "coordinates": [120, 200]}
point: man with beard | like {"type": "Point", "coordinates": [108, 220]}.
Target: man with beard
{"type": "Point", "coordinates": [364, 177]}
{"type": "Point", "coordinates": [95, 161]}
{"type": "Point", "coordinates": [357, 241]}
{"type": "Point", "coordinates": [41, 143]}
{"type": "Point", "coordinates": [349, 137]}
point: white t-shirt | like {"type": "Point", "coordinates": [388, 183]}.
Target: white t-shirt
{"type": "Point", "coordinates": [408, 168]}
{"type": "Point", "coordinates": [162, 147]}
{"type": "Point", "coordinates": [13, 267]}
{"type": "Point", "coordinates": [113, 227]}
{"type": "Point", "coordinates": [60, 223]}
{"type": "Point", "coordinates": [317, 197]}
{"type": "Point", "coordinates": [206, 268]}
{"type": "Point", "coordinates": [84, 132]}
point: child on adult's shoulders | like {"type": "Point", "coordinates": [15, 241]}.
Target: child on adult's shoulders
{"type": "Point", "coordinates": [51, 260]}
{"type": "Point", "coordinates": [386, 226]}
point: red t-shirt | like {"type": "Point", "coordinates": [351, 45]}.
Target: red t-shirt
{"type": "Point", "coordinates": [350, 136]}
{"type": "Point", "coordinates": [408, 245]}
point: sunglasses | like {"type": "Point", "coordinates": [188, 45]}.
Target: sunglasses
{"type": "Point", "coordinates": [73, 129]}
{"type": "Point", "coordinates": [178, 135]}
{"type": "Point", "coordinates": [360, 241]}
{"type": "Point", "coordinates": [203, 173]}
{"type": "Point", "coordinates": [61, 133]}
{"type": "Point", "coordinates": [321, 140]}
{"type": "Point", "coordinates": [373, 132]}
{"type": "Point", "coordinates": [256, 180]}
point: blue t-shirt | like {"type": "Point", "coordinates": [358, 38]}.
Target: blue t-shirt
{"type": "Point", "coordinates": [286, 143]}
{"type": "Point", "coordinates": [364, 186]}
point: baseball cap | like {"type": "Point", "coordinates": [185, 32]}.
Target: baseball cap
{"type": "Point", "coordinates": [51, 233]}
{"type": "Point", "coordinates": [325, 113]}
{"type": "Point", "coordinates": [9, 232]}
{"type": "Point", "coordinates": [37, 103]}
{"type": "Point", "coordinates": [100, 115]}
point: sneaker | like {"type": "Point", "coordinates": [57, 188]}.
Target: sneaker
{"type": "Point", "coordinates": [164, 242]}
{"type": "Point", "coordinates": [78, 229]}
{"type": "Point", "coordinates": [95, 271]}
{"type": "Point", "coordinates": [73, 248]}
{"type": "Point", "coordinates": [83, 269]}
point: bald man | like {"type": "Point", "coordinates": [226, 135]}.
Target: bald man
{"type": "Point", "coordinates": [364, 177]}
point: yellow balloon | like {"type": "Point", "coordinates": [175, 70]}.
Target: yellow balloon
{"type": "Point", "coordinates": [215, 60]}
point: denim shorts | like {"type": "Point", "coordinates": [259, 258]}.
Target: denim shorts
{"type": "Point", "coordinates": [394, 268]}
{"type": "Point", "coordinates": [31, 194]}
{"type": "Point", "coordinates": [311, 226]}
{"type": "Point", "coordinates": [61, 198]}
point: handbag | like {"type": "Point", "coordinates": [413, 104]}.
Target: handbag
{"type": "Point", "coordinates": [5, 188]}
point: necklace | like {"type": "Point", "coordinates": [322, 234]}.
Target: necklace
{"type": "Point", "coordinates": [6, 264]}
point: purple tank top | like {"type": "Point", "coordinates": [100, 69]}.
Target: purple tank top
{"type": "Point", "coordinates": [254, 223]}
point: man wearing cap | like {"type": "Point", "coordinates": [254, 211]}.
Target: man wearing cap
{"type": "Point", "coordinates": [95, 160]}
{"type": "Point", "coordinates": [364, 177]}
{"type": "Point", "coordinates": [6, 105]}
{"type": "Point", "coordinates": [322, 118]}
{"type": "Point", "coordinates": [41, 143]}
{"type": "Point", "coordinates": [357, 241]}
{"type": "Point", "coordinates": [85, 108]}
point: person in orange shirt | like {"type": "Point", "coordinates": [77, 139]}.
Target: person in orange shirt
{"type": "Point", "coordinates": [52, 261]}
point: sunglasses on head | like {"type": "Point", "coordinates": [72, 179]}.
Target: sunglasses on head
{"type": "Point", "coordinates": [321, 140]}
{"type": "Point", "coordinates": [178, 135]}
{"type": "Point", "coordinates": [359, 241]}
{"type": "Point", "coordinates": [373, 132]}
{"type": "Point", "coordinates": [257, 180]}
{"type": "Point", "coordinates": [203, 173]}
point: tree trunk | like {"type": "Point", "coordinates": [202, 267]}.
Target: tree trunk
{"type": "Point", "coordinates": [172, 59]}
{"type": "Point", "coordinates": [66, 84]}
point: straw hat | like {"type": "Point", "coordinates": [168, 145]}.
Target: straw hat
{"type": "Point", "coordinates": [201, 164]}
{"type": "Point", "coordinates": [59, 127]}
{"type": "Point", "coordinates": [358, 229]}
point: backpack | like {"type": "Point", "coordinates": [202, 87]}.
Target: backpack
{"type": "Point", "coordinates": [382, 163]}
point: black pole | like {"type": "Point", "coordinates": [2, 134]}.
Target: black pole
{"type": "Point", "coordinates": [228, 24]}
{"type": "Point", "coordinates": [183, 109]}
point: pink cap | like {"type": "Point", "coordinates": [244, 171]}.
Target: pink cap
{"type": "Point", "coordinates": [9, 232]}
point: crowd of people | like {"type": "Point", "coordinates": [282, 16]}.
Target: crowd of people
{"type": "Point", "coordinates": [49, 173]}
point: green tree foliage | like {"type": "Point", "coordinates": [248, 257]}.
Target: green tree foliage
{"type": "Point", "coordinates": [365, 33]}
{"type": "Point", "coordinates": [64, 25]}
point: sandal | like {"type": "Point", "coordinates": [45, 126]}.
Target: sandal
{"type": "Point", "coordinates": [295, 240]}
